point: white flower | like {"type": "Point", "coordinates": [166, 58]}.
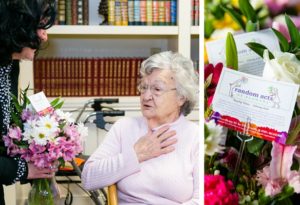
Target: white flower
{"type": "Point", "coordinates": [284, 67]}
{"type": "Point", "coordinates": [49, 126]}
{"type": "Point", "coordinates": [65, 115]}
{"type": "Point", "coordinates": [40, 136]}
{"type": "Point", "coordinates": [83, 131]}
{"type": "Point", "coordinates": [214, 139]}
{"type": "Point", "coordinates": [29, 126]}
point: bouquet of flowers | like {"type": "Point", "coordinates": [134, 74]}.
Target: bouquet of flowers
{"type": "Point", "coordinates": [269, 172]}
{"type": "Point", "coordinates": [43, 138]}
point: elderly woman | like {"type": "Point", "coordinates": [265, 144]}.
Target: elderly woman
{"type": "Point", "coordinates": [153, 158]}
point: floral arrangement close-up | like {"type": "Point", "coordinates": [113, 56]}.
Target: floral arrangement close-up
{"type": "Point", "coordinates": [240, 168]}
{"type": "Point", "coordinates": [47, 139]}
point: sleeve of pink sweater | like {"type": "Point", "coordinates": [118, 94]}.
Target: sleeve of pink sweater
{"type": "Point", "coordinates": [111, 161]}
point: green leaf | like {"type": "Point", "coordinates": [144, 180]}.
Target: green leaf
{"type": "Point", "coordinates": [284, 44]}
{"type": "Point", "coordinates": [54, 102]}
{"type": "Point", "coordinates": [59, 105]}
{"type": "Point", "coordinates": [206, 131]}
{"type": "Point", "coordinates": [248, 10]}
{"type": "Point", "coordinates": [259, 49]}
{"type": "Point", "coordinates": [235, 16]}
{"type": "Point", "coordinates": [294, 33]}
{"type": "Point", "coordinates": [250, 26]}
{"type": "Point", "coordinates": [255, 146]}
{"type": "Point", "coordinates": [208, 28]}
{"type": "Point", "coordinates": [231, 52]}
{"type": "Point", "coordinates": [16, 104]}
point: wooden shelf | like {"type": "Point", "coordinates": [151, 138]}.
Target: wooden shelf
{"type": "Point", "coordinates": [112, 30]}
{"type": "Point", "coordinates": [195, 30]}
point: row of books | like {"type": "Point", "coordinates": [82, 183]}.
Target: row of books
{"type": "Point", "coordinates": [195, 12]}
{"type": "Point", "coordinates": [78, 77]}
{"type": "Point", "coordinates": [142, 12]}
{"type": "Point", "coordinates": [72, 12]}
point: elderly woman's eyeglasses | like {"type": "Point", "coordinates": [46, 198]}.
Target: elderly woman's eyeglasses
{"type": "Point", "coordinates": [156, 90]}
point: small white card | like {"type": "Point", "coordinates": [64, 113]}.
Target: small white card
{"type": "Point", "coordinates": [39, 102]}
{"type": "Point", "coordinates": [264, 106]}
{"type": "Point", "coordinates": [249, 61]}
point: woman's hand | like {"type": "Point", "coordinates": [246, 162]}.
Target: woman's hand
{"type": "Point", "coordinates": [154, 144]}
{"type": "Point", "coordinates": [38, 173]}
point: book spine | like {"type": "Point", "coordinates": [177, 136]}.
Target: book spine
{"type": "Point", "coordinates": [68, 12]}
{"type": "Point", "coordinates": [111, 12]}
{"type": "Point", "coordinates": [196, 13]}
{"type": "Point", "coordinates": [124, 13]}
{"type": "Point", "coordinates": [173, 12]}
{"type": "Point", "coordinates": [143, 12]}
{"type": "Point", "coordinates": [167, 12]}
{"type": "Point", "coordinates": [118, 17]}
{"type": "Point", "coordinates": [85, 12]}
{"type": "Point", "coordinates": [89, 77]}
{"type": "Point", "coordinates": [61, 10]}
{"type": "Point", "coordinates": [155, 12]}
{"type": "Point", "coordinates": [101, 88]}
{"type": "Point", "coordinates": [161, 13]}
{"type": "Point", "coordinates": [130, 6]}
{"type": "Point", "coordinates": [74, 12]}
{"type": "Point", "coordinates": [95, 76]}
{"type": "Point", "coordinates": [79, 12]}
{"type": "Point", "coordinates": [136, 12]}
{"type": "Point", "coordinates": [133, 68]}
{"type": "Point", "coordinates": [149, 12]}
{"type": "Point", "coordinates": [127, 77]}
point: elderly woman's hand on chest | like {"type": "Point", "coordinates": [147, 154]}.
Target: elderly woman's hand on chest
{"type": "Point", "coordinates": [155, 143]}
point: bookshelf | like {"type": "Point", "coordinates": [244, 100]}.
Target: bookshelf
{"type": "Point", "coordinates": [123, 41]}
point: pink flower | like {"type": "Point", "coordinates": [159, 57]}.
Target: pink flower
{"type": "Point", "coordinates": [36, 148]}
{"type": "Point", "coordinates": [274, 177]}
{"type": "Point", "coordinates": [72, 132]}
{"type": "Point", "coordinates": [282, 28]}
{"type": "Point", "coordinates": [229, 158]}
{"type": "Point", "coordinates": [276, 6]}
{"type": "Point", "coordinates": [15, 133]}
{"type": "Point", "coordinates": [218, 191]}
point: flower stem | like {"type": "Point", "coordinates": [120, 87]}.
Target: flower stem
{"type": "Point", "coordinates": [293, 135]}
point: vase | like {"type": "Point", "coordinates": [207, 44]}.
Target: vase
{"type": "Point", "coordinates": [44, 192]}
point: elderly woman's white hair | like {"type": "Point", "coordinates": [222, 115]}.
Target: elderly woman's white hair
{"type": "Point", "coordinates": [185, 76]}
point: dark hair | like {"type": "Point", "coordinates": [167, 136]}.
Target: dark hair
{"type": "Point", "coordinates": [19, 22]}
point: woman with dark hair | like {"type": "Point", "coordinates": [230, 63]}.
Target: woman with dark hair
{"type": "Point", "coordinates": [23, 25]}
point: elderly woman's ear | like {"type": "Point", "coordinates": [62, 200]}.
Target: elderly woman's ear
{"type": "Point", "coordinates": [181, 100]}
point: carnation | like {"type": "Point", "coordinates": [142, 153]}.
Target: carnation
{"type": "Point", "coordinates": [218, 191]}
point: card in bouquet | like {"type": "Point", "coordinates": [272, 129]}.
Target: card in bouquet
{"type": "Point", "coordinates": [265, 105]}
{"type": "Point", "coordinates": [40, 103]}
{"type": "Point", "coordinates": [249, 61]}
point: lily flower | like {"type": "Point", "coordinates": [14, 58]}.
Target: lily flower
{"type": "Point", "coordinates": [274, 177]}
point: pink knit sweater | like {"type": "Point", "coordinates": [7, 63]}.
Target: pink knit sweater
{"type": "Point", "coordinates": [169, 179]}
